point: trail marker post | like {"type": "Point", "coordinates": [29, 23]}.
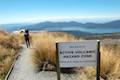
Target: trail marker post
{"type": "Point", "coordinates": [78, 54]}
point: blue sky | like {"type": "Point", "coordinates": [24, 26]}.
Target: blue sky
{"type": "Point", "coordinates": [14, 11]}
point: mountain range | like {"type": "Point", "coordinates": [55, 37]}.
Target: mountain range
{"type": "Point", "coordinates": [109, 27]}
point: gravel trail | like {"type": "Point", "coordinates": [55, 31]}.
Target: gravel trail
{"type": "Point", "coordinates": [23, 70]}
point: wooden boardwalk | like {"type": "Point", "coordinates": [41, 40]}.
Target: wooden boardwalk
{"type": "Point", "coordinates": [24, 70]}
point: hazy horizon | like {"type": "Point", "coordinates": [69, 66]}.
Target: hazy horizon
{"type": "Point", "coordinates": [80, 20]}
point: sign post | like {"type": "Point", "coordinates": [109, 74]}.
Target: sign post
{"type": "Point", "coordinates": [57, 60]}
{"type": "Point", "coordinates": [78, 54]}
{"type": "Point", "coordinates": [98, 62]}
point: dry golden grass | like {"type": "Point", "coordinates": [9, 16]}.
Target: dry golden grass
{"type": "Point", "coordinates": [8, 49]}
{"type": "Point", "coordinates": [44, 49]}
{"type": "Point", "coordinates": [110, 61]}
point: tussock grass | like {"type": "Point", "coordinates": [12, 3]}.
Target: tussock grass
{"type": "Point", "coordinates": [8, 49]}
{"type": "Point", "coordinates": [44, 50]}
{"type": "Point", "coordinates": [110, 61]}
{"type": "Point", "coordinates": [44, 47]}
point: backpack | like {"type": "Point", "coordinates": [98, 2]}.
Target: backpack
{"type": "Point", "coordinates": [26, 35]}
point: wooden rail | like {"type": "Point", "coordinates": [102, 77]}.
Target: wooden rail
{"type": "Point", "coordinates": [11, 68]}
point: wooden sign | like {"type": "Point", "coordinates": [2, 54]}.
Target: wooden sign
{"type": "Point", "coordinates": [78, 54]}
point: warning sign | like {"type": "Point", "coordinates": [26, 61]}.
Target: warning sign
{"type": "Point", "coordinates": [76, 54]}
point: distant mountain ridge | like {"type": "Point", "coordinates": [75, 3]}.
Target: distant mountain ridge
{"type": "Point", "coordinates": [112, 24]}
{"type": "Point", "coordinates": [109, 27]}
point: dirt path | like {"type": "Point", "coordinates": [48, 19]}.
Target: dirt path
{"type": "Point", "coordinates": [23, 70]}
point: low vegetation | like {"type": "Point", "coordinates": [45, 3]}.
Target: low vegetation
{"type": "Point", "coordinates": [44, 47]}
{"type": "Point", "coordinates": [44, 50]}
{"type": "Point", "coordinates": [8, 51]}
{"type": "Point", "coordinates": [110, 60]}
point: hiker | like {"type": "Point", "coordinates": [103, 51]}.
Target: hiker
{"type": "Point", "coordinates": [27, 36]}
